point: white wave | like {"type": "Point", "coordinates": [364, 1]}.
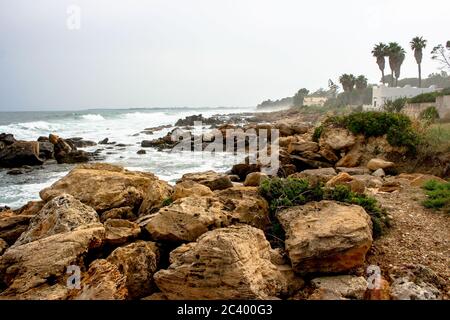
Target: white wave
{"type": "Point", "coordinates": [92, 117]}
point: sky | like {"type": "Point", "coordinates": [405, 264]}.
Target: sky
{"type": "Point", "coordinates": [198, 53]}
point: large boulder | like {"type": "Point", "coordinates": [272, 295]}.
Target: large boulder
{"type": "Point", "coordinates": [190, 188]}
{"type": "Point", "coordinates": [61, 214]}
{"type": "Point", "coordinates": [20, 153]}
{"type": "Point", "coordinates": [326, 236]}
{"type": "Point", "coordinates": [227, 263]}
{"type": "Point", "coordinates": [120, 231]}
{"type": "Point", "coordinates": [65, 151]}
{"type": "Point", "coordinates": [105, 187]}
{"type": "Point", "coordinates": [103, 281]}
{"type": "Point", "coordinates": [211, 179]}
{"type": "Point", "coordinates": [243, 169]}
{"type": "Point", "coordinates": [138, 261]}
{"type": "Point", "coordinates": [337, 138]}
{"type": "Point", "coordinates": [35, 269]}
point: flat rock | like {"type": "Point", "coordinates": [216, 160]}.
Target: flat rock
{"type": "Point", "coordinates": [211, 179]}
{"type": "Point", "coordinates": [345, 286]}
{"type": "Point", "coordinates": [120, 231]}
{"type": "Point", "coordinates": [190, 188]}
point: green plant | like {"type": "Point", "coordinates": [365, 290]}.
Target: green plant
{"type": "Point", "coordinates": [282, 193]}
{"type": "Point", "coordinates": [438, 195]}
{"type": "Point", "coordinates": [317, 133]}
{"type": "Point", "coordinates": [167, 202]}
{"type": "Point", "coordinates": [429, 114]}
{"type": "Point", "coordinates": [395, 106]}
{"type": "Point", "coordinates": [424, 97]}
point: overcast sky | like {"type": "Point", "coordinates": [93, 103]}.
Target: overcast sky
{"type": "Point", "coordinates": [205, 53]}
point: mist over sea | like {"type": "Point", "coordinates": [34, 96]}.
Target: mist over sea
{"type": "Point", "coordinates": [119, 125]}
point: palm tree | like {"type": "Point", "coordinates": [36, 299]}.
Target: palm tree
{"type": "Point", "coordinates": [348, 82]}
{"type": "Point", "coordinates": [361, 83]}
{"type": "Point", "coordinates": [396, 56]}
{"type": "Point", "coordinates": [380, 52]}
{"type": "Point", "coordinates": [417, 45]}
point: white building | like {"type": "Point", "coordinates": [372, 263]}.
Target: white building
{"type": "Point", "coordinates": [314, 101]}
{"type": "Point", "coordinates": [382, 94]}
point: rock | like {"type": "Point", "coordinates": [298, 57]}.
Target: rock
{"type": "Point", "coordinates": [351, 159]}
{"type": "Point", "coordinates": [105, 187]}
{"type": "Point", "coordinates": [383, 292]}
{"type": "Point", "coordinates": [188, 218]}
{"type": "Point", "coordinates": [284, 142]}
{"type": "Point", "coordinates": [234, 177]}
{"type": "Point", "coordinates": [3, 246]}
{"type": "Point", "coordinates": [390, 186]}
{"type": "Point", "coordinates": [316, 176]}
{"type": "Point", "coordinates": [328, 154]}
{"type": "Point", "coordinates": [303, 163]}
{"type": "Point", "coordinates": [302, 146]}
{"type": "Point", "coordinates": [337, 138]}
{"type": "Point", "coordinates": [138, 262]}
{"type": "Point", "coordinates": [13, 225]}
{"type": "Point", "coordinates": [20, 153]}
{"type": "Point", "coordinates": [227, 263]}
{"type": "Point", "coordinates": [120, 231]}
{"type": "Point", "coordinates": [254, 179]}
{"type": "Point", "coordinates": [80, 143]}
{"type": "Point", "coordinates": [77, 156]}
{"type": "Point", "coordinates": [7, 139]}
{"type": "Point", "coordinates": [46, 150]}
{"type": "Point", "coordinates": [23, 270]}
{"type": "Point", "coordinates": [418, 179]}
{"type": "Point", "coordinates": [61, 214]}
{"type": "Point", "coordinates": [190, 188]}
{"type": "Point", "coordinates": [345, 286]}
{"type": "Point", "coordinates": [104, 141]}
{"type": "Point", "coordinates": [125, 213]}
{"type": "Point", "coordinates": [211, 179]}
{"type": "Point", "coordinates": [103, 281]}
{"type": "Point", "coordinates": [243, 169]}
{"type": "Point", "coordinates": [15, 172]}
{"type": "Point", "coordinates": [375, 164]}
{"type": "Point", "coordinates": [345, 179]}
{"type": "Point", "coordinates": [403, 289]}
{"type": "Point", "coordinates": [326, 236]}
{"type": "Point", "coordinates": [191, 121]}
{"type": "Point", "coordinates": [369, 180]}
{"type": "Point", "coordinates": [353, 171]}
{"type": "Point", "coordinates": [141, 151]}
{"type": "Point", "coordinates": [31, 208]}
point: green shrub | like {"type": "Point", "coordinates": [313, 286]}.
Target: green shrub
{"type": "Point", "coordinates": [429, 114]}
{"type": "Point", "coordinates": [395, 106]}
{"type": "Point", "coordinates": [424, 97]}
{"type": "Point", "coordinates": [317, 133]}
{"type": "Point", "coordinates": [282, 193]}
{"type": "Point", "coordinates": [167, 202]}
{"type": "Point", "coordinates": [438, 195]}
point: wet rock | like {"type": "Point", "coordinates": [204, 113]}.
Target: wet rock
{"type": "Point", "coordinates": [103, 281]}
{"type": "Point", "coordinates": [141, 151]}
{"type": "Point", "coordinates": [211, 179]}
{"type": "Point", "coordinates": [326, 236]}
{"type": "Point", "coordinates": [138, 262]}
{"type": "Point", "coordinates": [7, 139]}
{"type": "Point", "coordinates": [105, 187]}
{"type": "Point", "coordinates": [120, 231]}
{"type": "Point", "coordinates": [46, 150]}
{"type": "Point", "coordinates": [81, 143]}
{"type": "Point", "coordinates": [20, 153]}
{"type": "Point", "coordinates": [17, 171]}
{"type": "Point", "coordinates": [61, 214]}
{"type": "Point", "coordinates": [104, 141]}
{"type": "Point", "coordinates": [228, 263]}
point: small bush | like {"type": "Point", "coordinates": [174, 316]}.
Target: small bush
{"type": "Point", "coordinates": [429, 114]}
{"type": "Point", "coordinates": [167, 202]}
{"type": "Point", "coordinates": [395, 106]}
{"type": "Point", "coordinates": [438, 195]}
{"type": "Point", "coordinates": [282, 193]}
{"type": "Point", "coordinates": [317, 133]}
{"type": "Point", "coordinates": [424, 98]}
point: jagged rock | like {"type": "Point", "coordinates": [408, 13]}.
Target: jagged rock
{"type": "Point", "coordinates": [103, 281]}
{"type": "Point", "coordinates": [234, 177]}
{"type": "Point", "coordinates": [188, 218]}
{"type": "Point", "coordinates": [351, 159]}
{"type": "Point", "coordinates": [31, 208]}
{"type": "Point", "coordinates": [190, 188]}
{"type": "Point", "coordinates": [375, 164]}
{"type": "Point", "coordinates": [17, 171]}
{"type": "Point", "coordinates": [227, 263]}
{"type": "Point", "coordinates": [125, 213]}
{"type": "Point", "coordinates": [61, 214]}
{"type": "Point", "coordinates": [105, 187]}
{"type": "Point", "coordinates": [316, 176]}
{"type": "Point", "coordinates": [38, 264]}
{"type": "Point", "coordinates": [3, 246]}
{"type": "Point", "coordinates": [211, 179]}
{"type": "Point", "coordinates": [76, 156]}
{"type": "Point", "coordinates": [345, 179]}
{"type": "Point", "coordinates": [46, 150]}
{"type": "Point", "coordinates": [328, 154]}
{"type": "Point", "coordinates": [13, 225]}
{"type": "Point", "coordinates": [138, 262]}
{"type": "Point", "coordinates": [303, 146]}
{"type": "Point", "coordinates": [7, 139]}
{"type": "Point", "coordinates": [104, 141]}
{"type": "Point", "coordinates": [337, 138]}
{"type": "Point", "coordinates": [326, 236]}
{"type": "Point", "coordinates": [20, 153]}
{"type": "Point", "coordinates": [254, 179]}
{"type": "Point", "coordinates": [345, 286]}
{"type": "Point", "coordinates": [120, 231]}
{"type": "Point", "coordinates": [287, 128]}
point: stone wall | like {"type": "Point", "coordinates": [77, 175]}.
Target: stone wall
{"type": "Point", "coordinates": [442, 105]}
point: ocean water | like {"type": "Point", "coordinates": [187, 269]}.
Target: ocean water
{"type": "Point", "coordinates": [117, 125]}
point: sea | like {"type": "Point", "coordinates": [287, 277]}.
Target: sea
{"type": "Point", "coordinates": [123, 126]}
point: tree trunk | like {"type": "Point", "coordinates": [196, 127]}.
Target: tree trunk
{"type": "Point", "coordinates": [382, 76]}
{"type": "Point", "coordinates": [420, 75]}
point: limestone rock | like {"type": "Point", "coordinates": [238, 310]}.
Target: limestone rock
{"type": "Point", "coordinates": [31, 208]}
{"type": "Point", "coordinates": [104, 187]}
{"type": "Point", "coordinates": [30, 266]}
{"type": "Point", "coordinates": [345, 286]}
{"type": "Point", "coordinates": [326, 236]}
{"type": "Point", "coordinates": [369, 180]}
{"type": "Point", "coordinates": [379, 173]}
{"type": "Point", "coordinates": [120, 231]}
{"type": "Point", "coordinates": [125, 213]}
{"type": "Point", "coordinates": [103, 281]}
{"type": "Point", "coordinates": [328, 154]}
{"type": "Point", "coordinates": [3, 246]}
{"type": "Point", "coordinates": [227, 263]}
{"type": "Point", "coordinates": [61, 214]}
{"type": "Point", "coordinates": [345, 179]}
{"type": "Point", "coordinates": [351, 159]}
{"type": "Point", "coordinates": [243, 169]}
{"type": "Point", "coordinates": [211, 179]}
{"type": "Point", "coordinates": [404, 289]}
{"type": "Point", "coordinates": [302, 146]}
{"type": "Point", "coordinates": [419, 179]}
{"type": "Point", "coordinates": [337, 138]}
{"type": "Point", "coordinates": [190, 188]}
{"type": "Point", "coordinates": [13, 225]}
{"type": "Point", "coordinates": [375, 164]}
{"type": "Point", "coordinates": [138, 261]}
{"type": "Point", "coordinates": [254, 179]}
{"type": "Point", "coordinates": [316, 176]}
{"type": "Point", "coordinates": [353, 171]}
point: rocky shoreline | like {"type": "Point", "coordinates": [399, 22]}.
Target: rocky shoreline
{"type": "Point", "coordinates": [209, 236]}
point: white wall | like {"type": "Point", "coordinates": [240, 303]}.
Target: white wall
{"type": "Point", "coordinates": [381, 94]}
